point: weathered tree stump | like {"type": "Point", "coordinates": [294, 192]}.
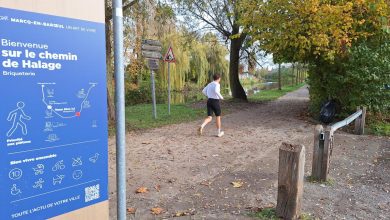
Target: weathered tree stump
{"type": "Point", "coordinates": [290, 180]}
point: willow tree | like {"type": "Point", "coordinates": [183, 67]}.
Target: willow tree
{"type": "Point", "coordinates": [199, 63]}
{"type": "Point", "coordinates": [180, 69]}
{"type": "Point", "coordinates": [221, 16]}
{"type": "Point", "coordinates": [216, 56]}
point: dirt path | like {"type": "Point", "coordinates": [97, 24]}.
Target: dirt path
{"type": "Point", "coordinates": [185, 172]}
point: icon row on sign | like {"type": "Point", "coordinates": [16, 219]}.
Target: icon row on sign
{"type": "Point", "coordinates": [39, 184]}
{"type": "Point", "coordinates": [39, 169]}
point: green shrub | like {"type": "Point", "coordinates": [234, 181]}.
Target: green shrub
{"type": "Point", "coordinates": [143, 95]}
{"type": "Point", "coordinates": [357, 80]}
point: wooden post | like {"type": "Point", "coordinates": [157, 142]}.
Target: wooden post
{"type": "Point", "coordinates": [318, 152]}
{"type": "Point", "coordinates": [322, 150]}
{"type": "Point", "coordinates": [280, 77]}
{"type": "Point", "coordinates": [293, 72]}
{"type": "Point", "coordinates": [361, 121]}
{"type": "Point", "coordinates": [328, 144]}
{"type": "Point", "coordinates": [290, 181]}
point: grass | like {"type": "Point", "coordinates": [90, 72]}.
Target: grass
{"type": "Point", "coordinates": [380, 128]}
{"type": "Point", "coordinates": [270, 214]}
{"type": "Point", "coordinates": [273, 94]}
{"type": "Point", "coordinates": [329, 182]}
{"type": "Point", "coordinates": [140, 116]}
{"type": "Point", "coordinates": [265, 214]}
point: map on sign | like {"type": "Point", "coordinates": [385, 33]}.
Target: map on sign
{"type": "Point", "coordinates": [169, 56]}
{"type": "Point", "coordinates": [62, 109]}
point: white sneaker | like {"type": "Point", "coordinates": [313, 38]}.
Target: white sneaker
{"type": "Point", "coordinates": [200, 130]}
{"type": "Point", "coordinates": [221, 134]}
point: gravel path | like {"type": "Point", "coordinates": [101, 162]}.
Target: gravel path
{"type": "Point", "coordinates": [189, 173]}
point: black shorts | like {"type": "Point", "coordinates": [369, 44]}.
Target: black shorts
{"type": "Point", "coordinates": [213, 106]}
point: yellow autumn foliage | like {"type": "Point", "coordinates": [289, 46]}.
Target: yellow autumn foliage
{"type": "Point", "coordinates": [297, 30]}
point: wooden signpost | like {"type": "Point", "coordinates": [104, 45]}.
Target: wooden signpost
{"type": "Point", "coordinates": [151, 50]}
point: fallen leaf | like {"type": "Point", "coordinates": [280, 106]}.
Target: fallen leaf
{"type": "Point", "coordinates": [178, 214]}
{"type": "Point", "coordinates": [142, 190]}
{"type": "Point", "coordinates": [157, 211]}
{"type": "Point", "coordinates": [237, 184]}
{"type": "Point", "coordinates": [205, 183]}
{"type": "Point", "coordinates": [131, 210]}
{"type": "Point", "coordinates": [185, 213]}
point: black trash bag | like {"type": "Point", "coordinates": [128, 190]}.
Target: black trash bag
{"type": "Point", "coordinates": [328, 112]}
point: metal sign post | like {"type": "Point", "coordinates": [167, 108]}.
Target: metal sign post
{"type": "Point", "coordinates": [151, 50]}
{"type": "Point", "coordinates": [153, 94]}
{"type": "Point", "coordinates": [120, 110]}
{"type": "Point", "coordinates": [169, 88]}
{"type": "Point", "coordinates": [169, 58]}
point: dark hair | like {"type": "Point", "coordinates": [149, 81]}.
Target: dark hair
{"type": "Point", "coordinates": [216, 76]}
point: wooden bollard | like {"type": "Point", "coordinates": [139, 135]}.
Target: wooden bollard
{"type": "Point", "coordinates": [361, 121]}
{"type": "Point", "coordinates": [318, 152]}
{"type": "Point", "coordinates": [322, 150]}
{"type": "Point", "coordinates": [290, 181]}
{"type": "Point", "coordinates": [328, 145]}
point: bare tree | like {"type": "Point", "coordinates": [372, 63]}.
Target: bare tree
{"type": "Point", "coordinates": [221, 16]}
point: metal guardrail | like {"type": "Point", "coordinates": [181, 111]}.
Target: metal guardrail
{"type": "Point", "coordinates": [323, 142]}
{"type": "Point", "coordinates": [346, 121]}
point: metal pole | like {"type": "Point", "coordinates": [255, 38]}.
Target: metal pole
{"type": "Point", "coordinates": [169, 88]}
{"type": "Point", "coordinates": [120, 110]}
{"type": "Point", "coordinates": [153, 94]}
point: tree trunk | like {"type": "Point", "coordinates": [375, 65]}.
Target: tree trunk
{"type": "Point", "coordinates": [297, 76]}
{"type": "Point", "coordinates": [110, 84]}
{"type": "Point", "coordinates": [280, 77]}
{"type": "Point", "coordinates": [235, 85]}
{"type": "Point", "coordinates": [292, 76]}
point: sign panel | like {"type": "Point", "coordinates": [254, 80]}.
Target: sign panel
{"type": "Point", "coordinates": [151, 54]}
{"type": "Point", "coordinates": [53, 130]}
{"type": "Point", "coordinates": [169, 56]}
{"type": "Point", "coordinates": [146, 47]}
{"type": "Point", "coordinates": [153, 64]}
{"type": "Point", "coordinates": [152, 42]}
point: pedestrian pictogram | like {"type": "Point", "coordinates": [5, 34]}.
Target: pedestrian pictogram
{"type": "Point", "coordinates": [169, 56]}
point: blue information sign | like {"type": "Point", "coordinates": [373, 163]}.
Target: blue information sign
{"type": "Point", "coordinates": [53, 130]}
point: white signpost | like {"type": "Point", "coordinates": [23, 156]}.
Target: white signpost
{"type": "Point", "coordinates": [151, 50]}
{"type": "Point", "coordinates": [169, 58]}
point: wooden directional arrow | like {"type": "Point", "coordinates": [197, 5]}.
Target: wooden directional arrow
{"type": "Point", "coordinates": [151, 42]}
{"type": "Point", "coordinates": [146, 47]}
{"type": "Point", "coordinates": [151, 55]}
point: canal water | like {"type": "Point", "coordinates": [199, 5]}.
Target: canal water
{"type": "Point", "coordinates": [194, 96]}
